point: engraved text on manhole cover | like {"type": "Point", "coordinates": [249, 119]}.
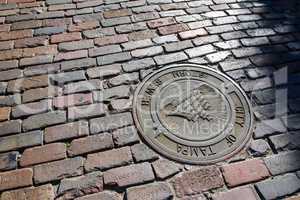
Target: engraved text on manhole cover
{"type": "Point", "coordinates": [192, 114]}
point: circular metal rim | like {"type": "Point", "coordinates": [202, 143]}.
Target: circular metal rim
{"type": "Point", "coordinates": [188, 161]}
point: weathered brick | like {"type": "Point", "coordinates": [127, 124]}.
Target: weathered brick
{"type": "Point", "coordinates": [83, 26]}
{"type": "Point", "coordinates": [10, 127]}
{"type": "Point", "coordinates": [164, 168]}
{"type": "Point", "coordinates": [36, 60]}
{"type": "Point", "coordinates": [165, 30]}
{"type": "Point", "coordinates": [48, 31]}
{"type": "Point", "coordinates": [141, 153]}
{"type": "Point", "coordinates": [198, 181]}
{"type": "Point", "coordinates": [129, 175]}
{"type": "Point", "coordinates": [12, 35]}
{"type": "Point", "coordinates": [76, 45]}
{"type": "Point", "coordinates": [106, 195]}
{"type": "Point", "coordinates": [115, 21]}
{"type": "Point", "coordinates": [104, 71]}
{"type": "Point", "coordinates": [46, 153]}
{"type": "Point", "coordinates": [122, 91]}
{"type": "Point", "coordinates": [104, 50]}
{"type": "Point", "coordinates": [86, 111]}
{"type": "Point", "coordinates": [23, 140]}
{"type": "Point", "coordinates": [138, 65]}
{"type": "Point", "coordinates": [177, 46]}
{"type": "Point", "coordinates": [157, 191]}
{"type": "Point", "coordinates": [31, 42]}
{"type": "Point", "coordinates": [31, 108]}
{"type": "Point", "coordinates": [125, 136]}
{"type": "Point", "coordinates": [72, 100]}
{"type": "Point", "coordinates": [26, 24]}
{"type": "Point", "coordinates": [255, 41]}
{"type": "Point", "coordinates": [40, 93]}
{"type": "Point", "coordinates": [116, 39]}
{"type": "Point", "coordinates": [6, 45]}
{"type": "Point", "coordinates": [10, 64]}
{"type": "Point", "coordinates": [42, 192]}
{"type": "Point", "coordinates": [142, 35]}
{"type": "Point", "coordinates": [66, 37]}
{"type": "Point", "coordinates": [261, 32]}
{"type": "Point", "coordinates": [235, 64]}
{"type": "Point", "coordinates": [82, 185]}
{"type": "Point", "coordinates": [83, 86]}
{"type": "Point", "coordinates": [99, 32]}
{"type": "Point", "coordinates": [128, 28]}
{"type": "Point", "coordinates": [279, 186]}
{"type": "Point", "coordinates": [268, 127]}
{"type": "Point", "coordinates": [287, 141]}
{"type": "Point", "coordinates": [292, 121]}
{"type": "Point", "coordinates": [9, 161]}
{"type": "Point", "coordinates": [78, 64]}
{"type": "Point", "coordinates": [71, 55]}
{"type": "Point", "coordinates": [145, 16]}
{"type": "Point", "coordinates": [108, 159]}
{"type": "Point", "coordinates": [124, 79]}
{"type": "Point", "coordinates": [117, 13]}
{"type": "Point", "coordinates": [147, 52]}
{"type": "Point", "coordinates": [246, 193]}
{"type": "Point", "coordinates": [15, 179]}
{"type": "Point", "coordinates": [120, 105]}
{"type": "Point", "coordinates": [245, 172]}
{"type": "Point", "coordinates": [259, 147]}
{"type": "Point", "coordinates": [10, 100]}
{"type": "Point", "coordinates": [110, 122]}
{"type": "Point", "coordinates": [27, 83]}
{"type": "Point", "coordinates": [165, 39]}
{"type": "Point", "coordinates": [192, 33]}
{"type": "Point", "coordinates": [200, 51]}
{"type": "Point", "coordinates": [58, 170]}
{"type": "Point", "coordinates": [90, 144]}
{"type": "Point", "coordinates": [112, 58]}
{"type": "Point", "coordinates": [170, 58]}
{"type": "Point", "coordinates": [10, 74]}
{"type": "Point", "coordinates": [283, 162]}
{"type": "Point", "coordinates": [200, 24]}
{"type": "Point", "coordinates": [4, 113]}
{"type": "Point", "coordinates": [137, 44]}
{"type": "Point", "coordinates": [218, 57]}
{"type": "Point", "coordinates": [231, 44]}
{"type": "Point", "coordinates": [69, 130]}
{"type": "Point", "coordinates": [66, 77]}
{"type": "Point", "coordinates": [161, 22]}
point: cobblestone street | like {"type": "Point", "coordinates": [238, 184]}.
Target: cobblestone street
{"type": "Point", "coordinates": [68, 72]}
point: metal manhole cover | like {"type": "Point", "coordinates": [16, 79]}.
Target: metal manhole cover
{"type": "Point", "coordinates": [192, 114]}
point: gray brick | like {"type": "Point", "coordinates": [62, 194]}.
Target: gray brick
{"type": "Point", "coordinates": [145, 16]}
{"type": "Point", "coordinates": [261, 32]}
{"type": "Point", "coordinates": [189, 18]}
{"type": "Point", "coordinates": [138, 65]}
{"type": "Point", "coordinates": [70, 46]}
{"type": "Point", "coordinates": [283, 162]}
{"type": "Point", "coordinates": [104, 50]}
{"type": "Point", "coordinates": [142, 35]}
{"type": "Point", "coordinates": [10, 100]}
{"type": "Point", "coordinates": [89, 183]}
{"type": "Point", "coordinates": [66, 77]}
{"type": "Point", "coordinates": [10, 127]}
{"type": "Point", "coordinates": [165, 168]}
{"type": "Point", "coordinates": [58, 170]}
{"type": "Point", "coordinates": [124, 79]}
{"type": "Point", "coordinates": [89, 4]}
{"type": "Point", "coordinates": [10, 74]}
{"type": "Point", "coordinates": [235, 64]}
{"type": "Point", "coordinates": [110, 122]}
{"type": "Point", "coordinates": [292, 122]}
{"type": "Point", "coordinates": [157, 191]}
{"type": "Point", "coordinates": [125, 136]}
{"type": "Point", "coordinates": [231, 44]}
{"type": "Point", "coordinates": [165, 39]}
{"type": "Point", "coordinates": [53, 2]}
{"type": "Point", "coordinates": [279, 186]}
{"type": "Point", "coordinates": [31, 108]}
{"type": "Point", "coordinates": [137, 44]}
{"type": "Point", "coordinates": [129, 175]}
{"type": "Point", "coordinates": [233, 35]}
{"type": "Point", "coordinates": [218, 56]}
{"type": "Point", "coordinates": [40, 93]}
{"type": "Point", "coordinates": [88, 17]}
{"type": "Point", "coordinates": [122, 91]}
{"type": "Point", "coordinates": [115, 21]}
{"type": "Point", "coordinates": [200, 24]}
{"type": "Point", "coordinates": [200, 10]}
{"type": "Point", "coordinates": [112, 58]}
{"type": "Point", "coordinates": [148, 8]}
{"type": "Point", "coordinates": [49, 31]}
{"type": "Point", "coordinates": [225, 20]}
{"type": "Point", "coordinates": [151, 51]}
{"type": "Point", "coordinates": [23, 140]}
{"type": "Point", "coordinates": [104, 71]}
{"type": "Point", "coordinates": [258, 84]}
{"type": "Point", "coordinates": [41, 69]}
{"type": "Point", "coordinates": [3, 86]}
{"type": "Point", "coordinates": [83, 86]}
{"type": "Point", "coordinates": [268, 127]}
{"type": "Point", "coordinates": [287, 141]}
{"type": "Point", "coordinates": [50, 15]}
{"type": "Point", "coordinates": [10, 64]}
{"type": "Point", "coordinates": [100, 32]}
{"type": "Point", "coordinates": [36, 60]}
{"type": "Point", "coordinates": [171, 47]}
{"type": "Point", "coordinates": [105, 195]}
{"type": "Point", "coordinates": [77, 64]}
{"type": "Point", "coordinates": [43, 120]}
{"type": "Point", "coordinates": [214, 14]}
{"type": "Point", "coordinates": [245, 18]}
{"type": "Point", "coordinates": [245, 26]}
{"type": "Point", "coordinates": [142, 153]}
{"type": "Point", "coordinates": [130, 4]}
{"type": "Point", "coordinates": [119, 105]}
{"type": "Point", "coordinates": [9, 161]}
{"type": "Point", "coordinates": [170, 58]}
{"type": "Point", "coordinates": [246, 52]}
{"type": "Point", "coordinates": [127, 28]}
{"type": "Point", "coordinates": [200, 51]}
{"type": "Point", "coordinates": [173, 13]}
{"type": "Point", "coordinates": [86, 111]}
{"type": "Point", "coordinates": [255, 41]}
{"type": "Point", "coordinates": [259, 147]}
{"type": "Point", "coordinates": [206, 40]}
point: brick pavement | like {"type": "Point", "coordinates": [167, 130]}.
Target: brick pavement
{"type": "Point", "coordinates": [68, 69]}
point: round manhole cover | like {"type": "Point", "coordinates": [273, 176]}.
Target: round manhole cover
{"type": "Point", "coordinates": [192, 114]}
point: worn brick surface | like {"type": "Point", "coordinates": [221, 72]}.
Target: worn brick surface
{"type": "Point", "coordinates": [15, 179]}
{"type": "Point", "coordinates": [9, 160]}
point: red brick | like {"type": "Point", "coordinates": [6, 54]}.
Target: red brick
{"type": "Point", "coordinates": [58, 170]}
{"type": "Point", "coordinates": [66, 131]}
{"type": "Point", "coordinates": [108, 159]}
{"type": "Point", "coordinates": [12, 35]}
{"type": "Point", "coordinates": [90, 144]}
{"type": "Point", "coordinates": [11, 54]}
{"type": "Point", "coordinates": [4, 113]}
{"type": "Point", "coordinates": [166, 30]}
{"type": "Point", "coordinates": [117, 13]}
{"type": "Point", "coordinates": [57, 22]}
{"type": "Point", "coordinates": [73, 100]}
{"type": "Point", "coordinates": [116, 39]}
{"type": "Point", "coordinates": [4, 28]}
{"type": "Point", "coordinates": [31, 42]}
{"type": "Point", "coordinates": [8, 12]}
{"type": "Point", "coordinates": [245, 172]}
{"type": "Point", "coordinates": [198, 181]}
{"type": "Point", "coordinates": [245, 193]}
{"type": "Point", "coordinates": [83, 26]}
{"type": "Point", "coordinates": [20, 1]}
{"type": "Point", "coordinates": [44, 192]}
{"type": "Point", "coordinates": [6, 45]}
{"type": "Point", "coordinates": [71, 55]}
{"type": "Point", "coordinates": [46, 153]}
{"type": "Point", "coordinates": [66, 37]}
{"type": "Point", "coordinates": [15, 179]}
{"type": "Point", "coordinates": [161, 22]}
